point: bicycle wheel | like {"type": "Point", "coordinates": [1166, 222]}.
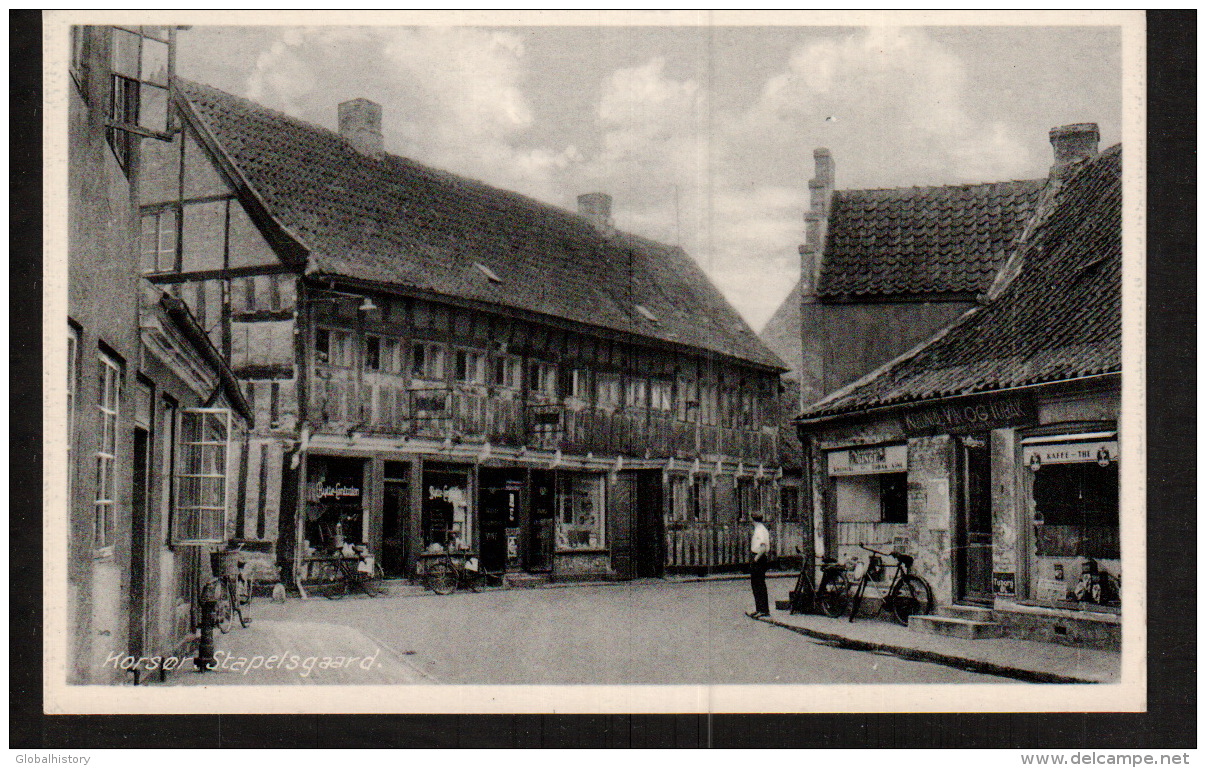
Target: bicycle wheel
{"type": "Point", "coordinates": [441, 578]}
{"type": "Point", "coordinates": [833, 594]}
{"type": "Point", "coordinates": [336, 589]}
{"type": "Point", "coordinates": [913, 598]}
{"type": "Point", "coordinates": [246, 589]}
{"type": "Point", "coordinates": [223, 612]}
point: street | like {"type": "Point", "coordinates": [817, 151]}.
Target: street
{"type": "Point", "coordinates": [644, 632]}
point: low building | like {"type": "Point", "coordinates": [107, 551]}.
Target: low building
{"type": "Point", "coordinates": [432, 359]}
{"type": "Point", "coordinates": [153, 412]}
{"type": "Point", "coordinates": [990, 451]}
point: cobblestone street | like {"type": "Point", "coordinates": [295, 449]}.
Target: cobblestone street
{"type": "Point", "coordinates": [644, 632]}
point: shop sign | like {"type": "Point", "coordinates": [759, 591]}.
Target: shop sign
{"type": "Point", "coordinates": [337, 491]}
{"type": "Point", "coordinates": [1003, 584]}
{"type": "Point", "coordinates": [955, 417]}
{"type": "Point", "coordinates": [868, 460]}
{"type": "Point", "coordinates": [1102, 452]}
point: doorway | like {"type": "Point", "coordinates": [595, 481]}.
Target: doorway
{"type": "Point", "coordinates": [650, 536]}
{"type": "Point", "coordinates": [973, 546]}
{"type": "Point", "coordinates": [395, 512]}
{"type": "Point", "coordinates": [540, 526]}
{"type": "Point", "coordinates": [138, 542]}
{"type": "Point", "coordinates": [498, 506]}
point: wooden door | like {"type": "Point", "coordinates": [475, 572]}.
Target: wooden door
{"type": "Point", "coordinates": [973, 546]}
{"type": "Point", "coordinates": [650, 529]}
{"type": "Point", "coordinates": [620, 512]}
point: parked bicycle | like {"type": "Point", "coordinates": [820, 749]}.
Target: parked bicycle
{"type": "Point", "coordinates": [359, 573]}
{"type": "Point", "coordinates": [830, 597]}
{"type": "Point", "coordinates": [452, 569]}
{"type": "Point", "coordinates": [907, 595]}
{"type": "Point", "coordinates": [233, 589]}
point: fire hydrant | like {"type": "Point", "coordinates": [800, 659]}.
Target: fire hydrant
{"type": "Point", "coordinates": [209, 619]}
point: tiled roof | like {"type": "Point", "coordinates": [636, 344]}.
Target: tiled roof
{"type": "Point", "coordinates": [782, 333]}
{"type": "Point", "coordinates": [397, 222]}
{"type": "Point", "coordinates": [922, 240]}
{"type": "Point", "coordinates": [1060, 318]}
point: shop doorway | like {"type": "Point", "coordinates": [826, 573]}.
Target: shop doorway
{"type": "Point", "coordinates": [539, 555]}
{"type": "Point", "coordinates": [395, 512]}
{"type": "Point", "coordinates": [650, 535]}
{"type": "Point", "coordinates": [973, 546]}
{"type": "Point", "coordinates": [498, 506]}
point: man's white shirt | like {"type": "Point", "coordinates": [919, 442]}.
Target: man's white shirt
{"type": "Point", "coordinates": [760, 541]}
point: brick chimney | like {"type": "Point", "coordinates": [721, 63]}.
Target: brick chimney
{"type": "Point", "coordinates": [816, 218]}
{"type": "Point", "coordinates": [596, 208]}
{"type": "Point", "coordinates": [360, 125]}
{"type": "Point", "coordinates": [1071, 143]}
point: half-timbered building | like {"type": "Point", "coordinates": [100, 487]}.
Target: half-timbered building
{"type": "Point", "coordinates": [434, 360]}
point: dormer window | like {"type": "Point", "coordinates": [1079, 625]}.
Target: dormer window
{"type": "Point", "coordinates": [645, 313]}
{"type": "Point", "coordinates": [489, 273]}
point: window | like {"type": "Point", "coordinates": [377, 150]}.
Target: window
{"type": "Point", "coordinates": [138, 102]}
{"type": "Point", "coordinates": [542, 379]}
{"type": "Point", "coordinates": [661, 395]}
{"type": "Point", "coordinates": [686, 404]}
{"type": "Point", "coordinates": [870, 483]}
{"type": "Point", "coordinates": [748, 416]}
{"type": "Point", "coordinates": [607, 391]}
{"type": "Point", "coordinates": [679, 502]}
{"type": "Point", "coordinates": [332, 347]}
{"type": "Point", "coordinates": [469, 367]}
{"type": "Point", "coordinates": [73, 347]}
{"type": "Point", "coordinates": [382, 354]}
{"type": "Point", "coordinates": [636, 393]}
{"type": "Point", "coordinates": [701, 497]}
{"type": "Point", "coordinates": [749, 499]}
{"type": "Point", "coordinates": [506, 371]}
{"type": "Point", "coordinates": [580, 384]}
{"type": "Point", "coordinates": [580, 512]}
{"type": "Point", "coordinates": [108, 400]}
{"type": "Point", "coordinates": [707, 404]}
{"type": "Point", "coordinates": [159, 236]}
{"type": "Point", "coordinates": [200, 514]}
{"type": "Point", "coordinates": [427, 361]}
{"type": "Point", "coordinates": [789, 504]}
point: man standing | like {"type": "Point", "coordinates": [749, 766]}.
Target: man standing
{"type": "Point", "coordinates": [759, 553]}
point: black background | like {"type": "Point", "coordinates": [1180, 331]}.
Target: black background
{"type": "Point", "coordinates": [1172, 655]}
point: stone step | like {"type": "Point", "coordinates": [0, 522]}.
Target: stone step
{"type": "Point", "coordinates": [968, 629]}
{"type": "Point", "coordinates": [973, 612]}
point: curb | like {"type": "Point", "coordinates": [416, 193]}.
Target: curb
{"type": "Point", "coordinates": [949, 660]}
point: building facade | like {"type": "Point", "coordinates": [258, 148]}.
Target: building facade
{"type": "Point", "coordinates": [432, 361]}
{"type": "Point", "coordinates": [148, 397]}
{"type": "Point", "coordinates": [991, 452]}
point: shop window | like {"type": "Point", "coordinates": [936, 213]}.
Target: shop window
{"type": "Point", "coordinates": [542, 379]}
{"type": "Point", "coordinates": [468, 367]}
{"type": "Point", "coordinates": [382, 354]}
{"type": "Point", "coordinates": [580, 512]}
{"type": "Point", "coordinates": [607, 391]}
{"type": "Point", "coordinates": [445, 520]}
{"type": "Point", "coordinates": [201, 503]}
{"type": "Point", "coordinates": [160, 230]}
{"type": "Point", "coordinates": [506, 371]}
{"type": "Point", "coordinates": [108, 403]}
{"type": "Point", "coordinates": [332, 347]}
{"type": "Point", "coordinates": [427, 361]}
{"type": "Point", "coordinates": [1075, 502]}
{"type": "Point", "coordinates": [881, 498]}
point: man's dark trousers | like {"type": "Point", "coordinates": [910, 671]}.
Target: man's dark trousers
{"type": "Point", "coordinates": [758, 584]}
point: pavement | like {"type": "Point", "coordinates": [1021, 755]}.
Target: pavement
{"type": "Point", "coordinates": [1004, 656]}
{"type": "Point", "coordinates": [414, 636]}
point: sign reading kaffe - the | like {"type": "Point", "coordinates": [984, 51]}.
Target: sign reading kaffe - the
{"type": "Point", "coordinates": [954, 418]}
{"type": "Point", "coordinates": [868, 460]}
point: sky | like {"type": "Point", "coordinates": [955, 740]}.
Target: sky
{"type": "Point", "coordinates": [703, 136]}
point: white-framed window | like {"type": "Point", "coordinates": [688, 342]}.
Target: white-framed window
{"type": "Point", "coordinates": [708, 404]}
{"type": "Point", "coordinates": [382, 354]}
{"type": "Point", "coordinates": [506, 371]}
{"type": "Point", "coordinates": [750, 499]}
{"type": "Point", "coordinates": [542, 378]}
{"type": "Point", "coordinates": [468, 367]}
{"type": "Point", "coordinates": [661, 395]}
{"type": "Point", "coordinates": [138, 100]}
{"type": "Point", "coordinates": [427, 361]}
{"type": "Point", "coordinates": [333, 347]}
{"type": "Point", "coordinates": [701, 497]}
{"type": "Point", "coordinates": [108, 403]}
{"type": "Point", "coordinates": [201, 499]}
{"type": "Point", "coordinates": [160, 230]}
{"type": "Point", "coordinates": [686, 401]}
{"type": "Point", "coordinates": [680, 501]}
{"type": "Point", "coordinates": [636, 393]}
{"type": "Point", "coordinates": [607, 391]}
{"type": "Point", "coordinates": [580, 384]}
{"type": "Point", "coordinates": [580, 505]}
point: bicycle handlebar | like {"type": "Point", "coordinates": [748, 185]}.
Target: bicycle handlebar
{"type": "Point", "coordinates": [876, 551]}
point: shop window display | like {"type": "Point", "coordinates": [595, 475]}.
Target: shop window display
{"type": "Point", "coordinates": [580, 512]}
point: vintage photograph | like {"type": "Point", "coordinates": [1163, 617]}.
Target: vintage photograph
{"type": "Point", "coordinates": [643, 362]}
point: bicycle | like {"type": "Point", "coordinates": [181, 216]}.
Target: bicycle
{"type": "Point", "coordinates": [356, 573]}
{"type": "Point", "coordinates": [830, 597]}
{"type": "Point", "coordinates": [446, 573]}
{"type": "Point", "coordinates": [235, 589]}
{"type": "Point", "coordinates": [907, 595]}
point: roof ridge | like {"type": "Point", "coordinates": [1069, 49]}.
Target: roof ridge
{"type": "Point", "coordinates": [970, 185]}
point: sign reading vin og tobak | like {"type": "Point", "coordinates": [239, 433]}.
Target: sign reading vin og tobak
{"type": "Point", "coordinates": [969, 416]}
